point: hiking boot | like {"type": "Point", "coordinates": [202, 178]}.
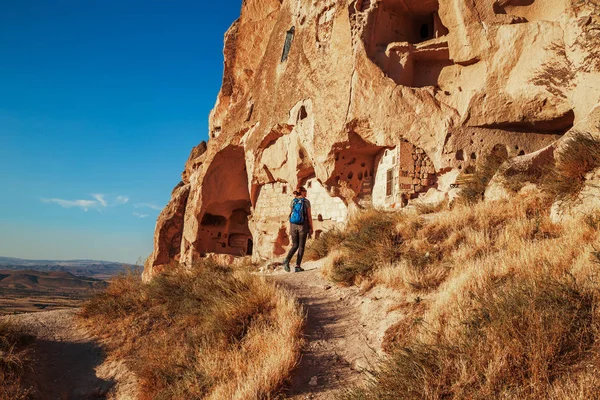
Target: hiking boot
{"type": "Point", "coordinates": [299, 269]}
{"type": "Point", "coordinates": [286, 265]}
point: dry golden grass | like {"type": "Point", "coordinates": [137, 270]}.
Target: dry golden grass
{"type": "Point", "coordinates": [13, 361]}
{"type": "Point", "coordinates": [210, 332]}
{"type": "Point", "coordinates": [369, 240]}
{"type": "Point", "coordinates": [319, 248]}
{"type": "Point", "coordinates": [580, 155]}
{"type": "Point", "coordinates": [501, 303]}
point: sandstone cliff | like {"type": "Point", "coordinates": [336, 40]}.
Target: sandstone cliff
{"type": "Point", "coordinates": [372, 102]}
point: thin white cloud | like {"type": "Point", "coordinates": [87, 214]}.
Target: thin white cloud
{"type": "Point", "coordinates": [100, 199]}
{"type": "Point", "coordinates": [83, 204]}
{"type": "Point", "coordinates": [148, 205]}
{"type": "Point", "coordinates": [121, 200]}
{"type": "Point", "coordinates": [98, 203]}
{"type": "Point", "coordinates": [138, 215]}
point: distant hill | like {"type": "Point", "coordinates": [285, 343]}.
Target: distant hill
{"type": "Point", "coordinates": [89, 268]}
{"type": "Point", "coordinates": [55, 280]}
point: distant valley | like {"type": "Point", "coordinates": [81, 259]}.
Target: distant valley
{"type": "Point", "coordinates": [36, 285]}
{"type": "Point", "coordinates": [90, 268]}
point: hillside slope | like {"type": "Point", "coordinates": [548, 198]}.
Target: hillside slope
{"type": "Point", "coordinates": [56, 281]}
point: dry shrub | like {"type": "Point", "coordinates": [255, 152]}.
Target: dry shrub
{"type": "Point", "coordinates": [14, 345]}
{"type": "Point", "coordinates": [370, 239]}
{"type": "Point", "coordinates": [207, 332]}
{"type": "Point", "coordinates": [431, 251]}
{"type": "Point", "coordinates": [592, 220]}
{"type": "Point", "coordinates": [519, 339]}
{"type": "Point", "coordinates": [514, 317]}
{"type": "Point", "coordinates": [321, 247]}
{"type": "Point", "coordinates": [580, 155]}
{"type": "Point", "coordinates": [473, 185]}
{"type": "Point", "coordinates": [405, 251]}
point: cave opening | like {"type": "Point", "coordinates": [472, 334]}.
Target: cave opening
{"type": "Point", "coordinates": [407, 40]}
{"type": "Point", "coordinates": [223, 227]}
{"type": "Point", "coordinates": [359, 153]}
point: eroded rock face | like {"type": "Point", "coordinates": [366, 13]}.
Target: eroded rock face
{"type": "Point", "coordinates": [372, 103]}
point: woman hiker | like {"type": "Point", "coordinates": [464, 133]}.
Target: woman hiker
{"type": "Point", "coordinates": [300, 227]}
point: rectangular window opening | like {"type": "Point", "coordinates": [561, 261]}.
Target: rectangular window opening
{"type": "Point", "coordinates": [289, 36]}
{"type": "Point", "coordinates": [389, 182]}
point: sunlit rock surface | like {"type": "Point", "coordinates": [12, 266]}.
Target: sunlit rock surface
{"type": "Point", "coordinates": [372, 103]}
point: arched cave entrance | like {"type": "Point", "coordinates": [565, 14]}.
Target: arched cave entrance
{"type": "Point", "coordinates": [224, 221]}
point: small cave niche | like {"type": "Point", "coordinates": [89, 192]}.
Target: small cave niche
{"type": "Point", "coordinates": [522, 11]}
{"type": "Point", "coordinates": [499, 151]}
{"type": "Point", "coordinates": [250, 111]}
{"type": "Point", "coordinates": [521, 153]}
{"type": "Point", "coordinates": [215, 132]}
{"type": "Point", "coordinates": [302, 114]}
{"type": "Point", "coordinates": [209, 219]}
{"type": "Point", "coordinates": [424, 32]}
{"type": "Point", "coordinates": [362, 5]}
{"type": "Point", "coordinates": [473, 156]}
{"type": "Point", "coordinates": [460, 156]}
{"type": "Point", "coordinates": [284, 189]}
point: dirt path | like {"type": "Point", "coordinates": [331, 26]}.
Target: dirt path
{"type": "Point", "coordinates": [343, 330]}
{"type": "Point", "coordinates": [68, 363]}
{"type": "Point", "coordinates": [340, 344]}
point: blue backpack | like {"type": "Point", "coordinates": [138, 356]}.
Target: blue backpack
{"type": "Point", "coordinates": [298, 211]}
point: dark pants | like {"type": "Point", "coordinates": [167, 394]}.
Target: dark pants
{"type": "Point", "coordinates": [298, 234]}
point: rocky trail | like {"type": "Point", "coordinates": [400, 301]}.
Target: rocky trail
{"type": "Point", "coordinates": [341, 339]}
{"type": "Point", "coordinates": [68, 363]}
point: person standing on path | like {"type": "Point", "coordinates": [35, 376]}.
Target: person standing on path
{"type": "Point", "coordinates": [301, 227]}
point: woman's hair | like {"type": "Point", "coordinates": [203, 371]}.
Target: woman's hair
{"type": "Point", "coordinates": [299, 190]}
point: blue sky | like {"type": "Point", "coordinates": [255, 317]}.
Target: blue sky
{"type": "Point", "coordinates": [100, 105]}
